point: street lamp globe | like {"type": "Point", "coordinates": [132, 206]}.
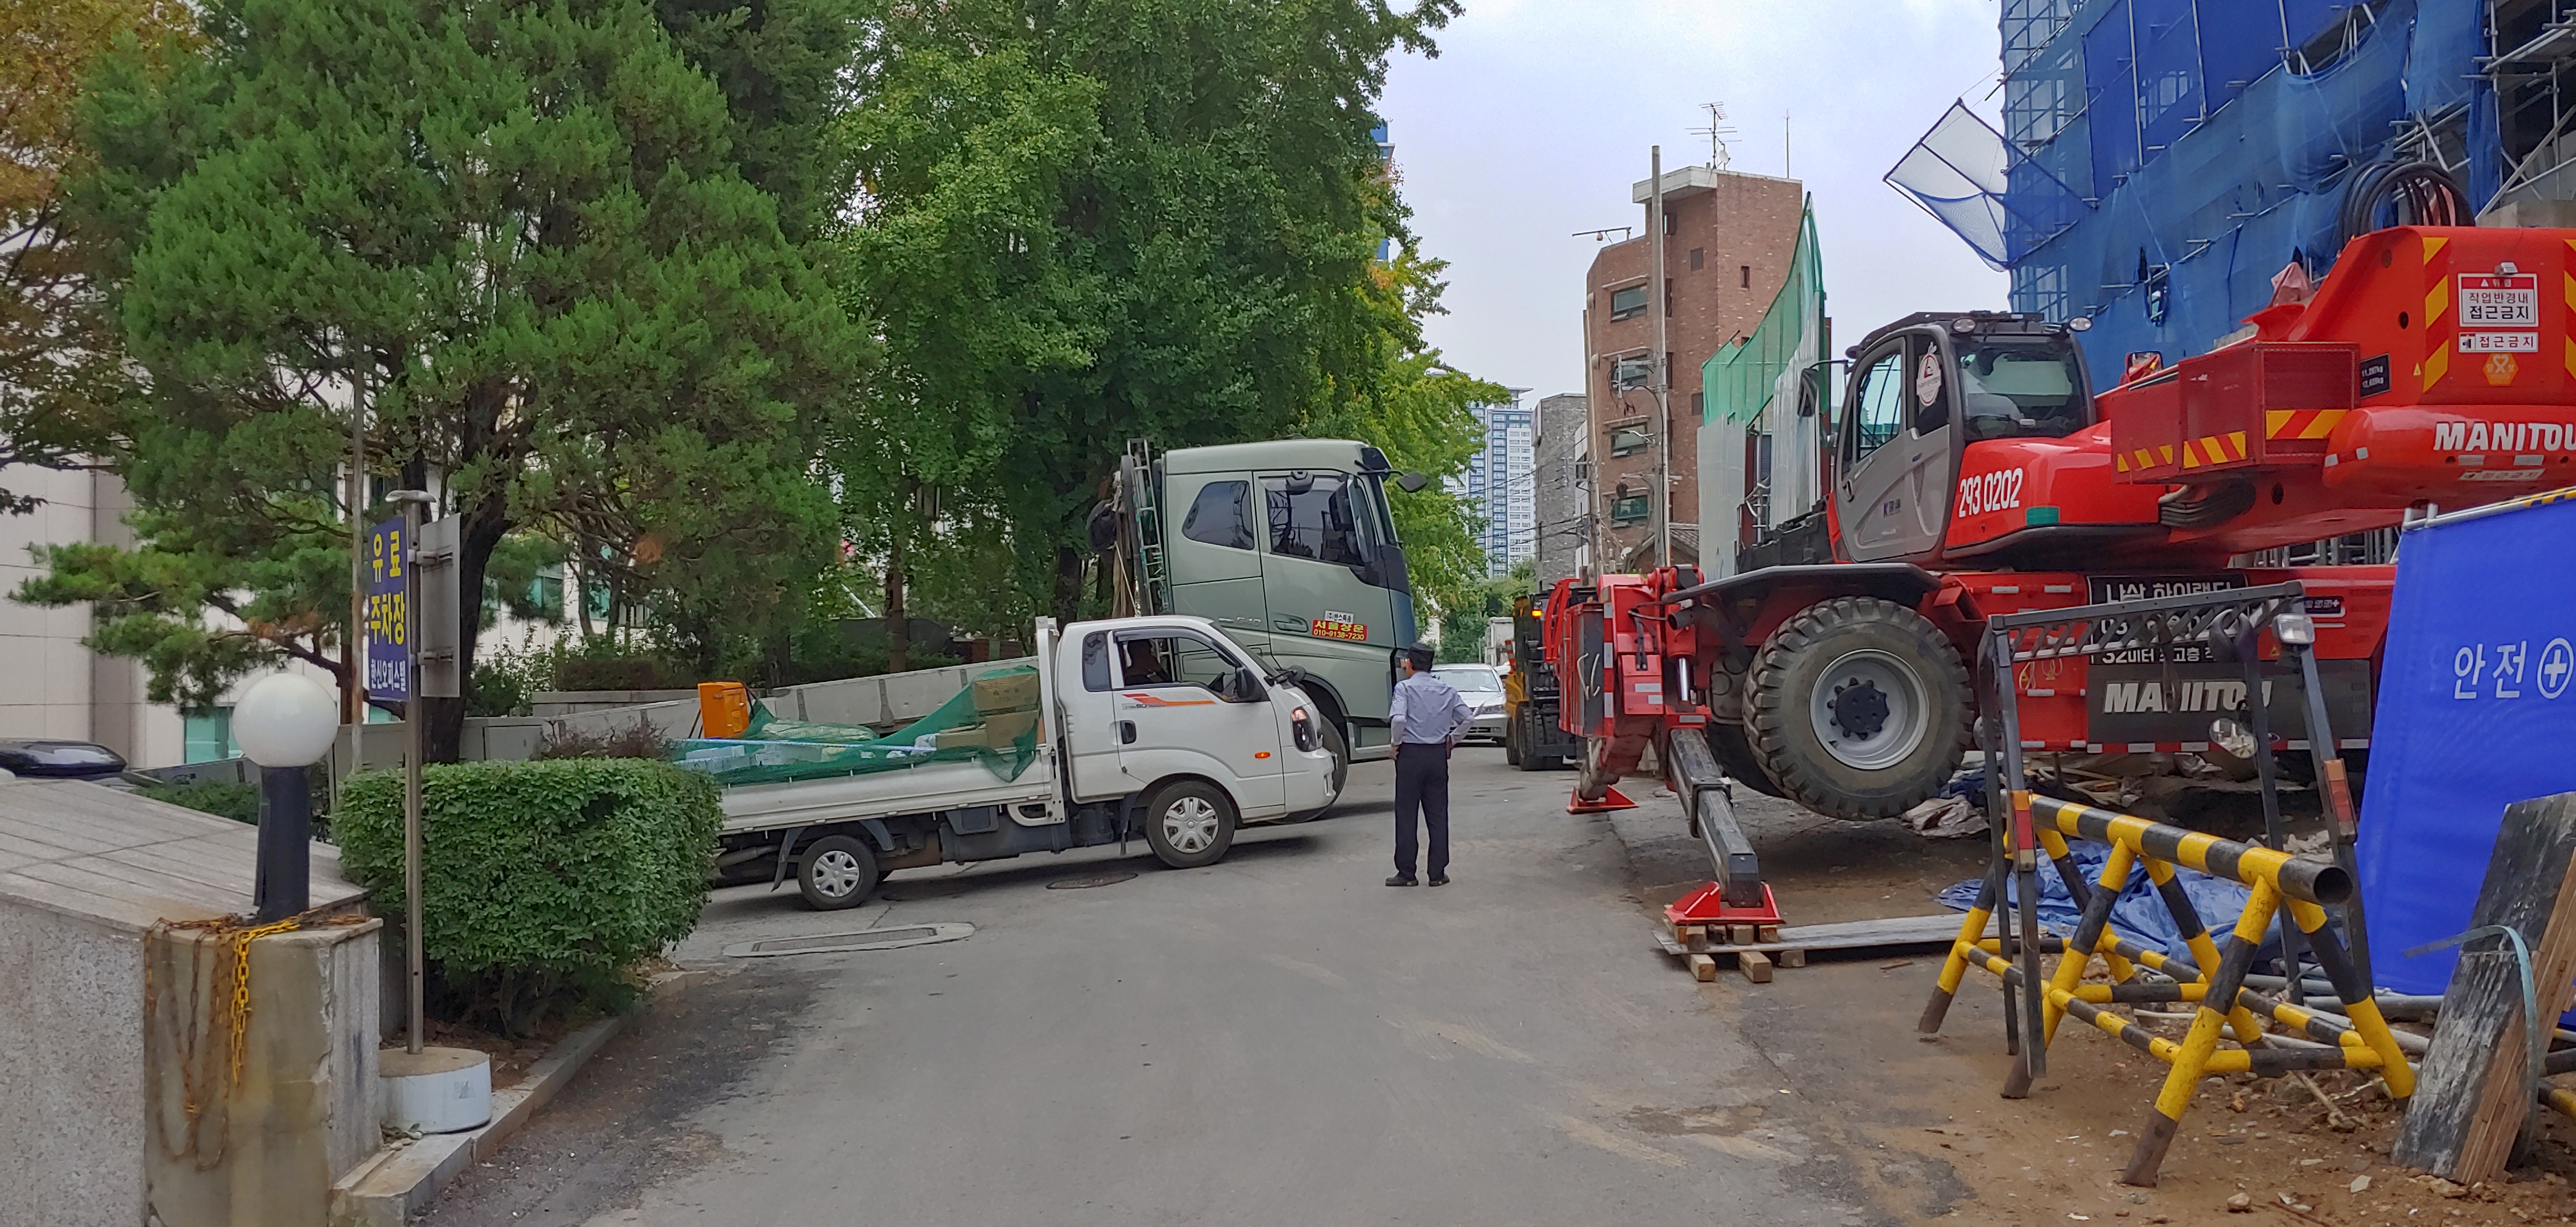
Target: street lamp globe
{"type": "Point", "coordinates": [286, 720]}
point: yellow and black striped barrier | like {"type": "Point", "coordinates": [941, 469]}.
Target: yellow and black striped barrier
{"type": "Point", "coordinates": [2212, 980]}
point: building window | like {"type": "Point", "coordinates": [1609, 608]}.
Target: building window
{"type": "Point", "coordinates": [1744, 275]}
{"type": "Point", "coordinates": [1629, 440]}
{"type": "Point", "coordinates": [546, 591]}
{"type": "Point", "coordinates": [1630, 372]}
{"type": "Point", "coordinates": [1628, 303]}
{"type": "Point", "coordinates": [1629, 509]}
{"type": "Point", "coordinates": [1699, 405]}
{"type": "Point", "coordinates": [209, 736]}
{"type": "Point", "coordinates": [1698, 254]}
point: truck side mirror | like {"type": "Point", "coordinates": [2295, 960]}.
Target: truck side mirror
{"type": "Point", "coordinates": [1248, 687]}
{"type": "Point", "coordinates": [1412, 483]}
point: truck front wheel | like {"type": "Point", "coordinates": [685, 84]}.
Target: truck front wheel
{"type": "Point", "coordinates": [1189, 824]}
{"type": "Point", "coordinates": [837, 872]}
{"type": "Point", "coordinates": [1858, 708]}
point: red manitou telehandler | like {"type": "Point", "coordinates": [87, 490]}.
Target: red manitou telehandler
{"type": "Point", "coordinates": [1971, 470]}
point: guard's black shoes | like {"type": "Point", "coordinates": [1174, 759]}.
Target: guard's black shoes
{"type": "Point", "coordinates": [1399, 880]}
{"type": "Point", "coordinates": [1442, 880]}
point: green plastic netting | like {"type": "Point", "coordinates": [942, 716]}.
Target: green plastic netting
{"type": "Point", "coordinates": [993, 721]}
{"type": "Point", "coordinates": [1738, 381]}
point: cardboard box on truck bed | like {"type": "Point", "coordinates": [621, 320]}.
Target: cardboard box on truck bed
{"type": "Point", "coordinates": [1008, 693]}
{"type": "Point", "coordinates": [998, 731]}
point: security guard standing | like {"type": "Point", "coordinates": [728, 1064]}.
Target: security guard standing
{"type": "Point", "coordinates": [1428, 718]}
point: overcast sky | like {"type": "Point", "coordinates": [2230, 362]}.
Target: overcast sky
{"type": "Point", "coordinates": [1535, 122]}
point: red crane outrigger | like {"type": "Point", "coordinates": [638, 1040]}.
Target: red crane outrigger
{"type": "Point", "coordinates": [1970, 472]}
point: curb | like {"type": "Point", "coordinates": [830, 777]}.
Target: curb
{"type": "Point", "coordinates": [386, 1190]}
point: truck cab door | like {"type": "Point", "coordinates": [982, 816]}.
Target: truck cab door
{"type": "Point", "coordinates": [1088, 695]}
{"type": "Point", "coordinates": [1931, 444]}
{"type": "Point", "coordinates": [1896, 437]}
{"type": "Point", "coordinates": [1320, 534]}
{"type": "Point", "coordinates": [1182, 709]}
{"type": "Point", "coordinates": [1215, 559]}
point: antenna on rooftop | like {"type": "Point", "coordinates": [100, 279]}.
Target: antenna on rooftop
{"type": "Point", "coordinates": [1717, 131]}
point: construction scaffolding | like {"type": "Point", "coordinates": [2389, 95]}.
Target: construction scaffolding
{"type": "Point", "coordinates": [2159, 161]}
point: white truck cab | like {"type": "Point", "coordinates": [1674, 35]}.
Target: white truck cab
{"type": "Point", "coordinates": [1159, 728]}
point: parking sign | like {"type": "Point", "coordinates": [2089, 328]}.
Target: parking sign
{"type": "Point", "coordinates": [388, 609]}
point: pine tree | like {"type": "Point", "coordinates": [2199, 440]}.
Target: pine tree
{"type": "Point", "coordinates": [519, 235]}
{"type": "Point", "coordinates": [1084, 223]}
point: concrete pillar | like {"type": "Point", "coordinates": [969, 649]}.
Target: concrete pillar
{"type": "Point", "coordinates": [305, 1111]}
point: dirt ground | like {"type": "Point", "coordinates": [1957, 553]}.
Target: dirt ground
{"type": "Point", "coordinates": [1955, 1150]}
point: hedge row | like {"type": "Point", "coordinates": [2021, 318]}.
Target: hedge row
{"type": "Point", "coordinates": [542, 881]}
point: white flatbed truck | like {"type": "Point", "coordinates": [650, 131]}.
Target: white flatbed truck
{"type": "Point", "coordinates": [1159, 728]}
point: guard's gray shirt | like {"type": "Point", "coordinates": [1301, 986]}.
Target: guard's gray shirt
{"type": "Point", "coordinates": [1428, 711]}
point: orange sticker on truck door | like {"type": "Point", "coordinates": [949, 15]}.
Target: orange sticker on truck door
{"type": "Point", "coordinates": [1333, 628]}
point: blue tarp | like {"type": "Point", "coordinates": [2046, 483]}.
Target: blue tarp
{"type": "Point", "coordinates": [2171, 133]}
{"type": "Point", "coordinates": [2140, 912]}
{"type": "Point", "coordinates": [2476, 711]}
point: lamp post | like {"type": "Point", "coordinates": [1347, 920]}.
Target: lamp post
{"type": "Point", "coordinates": [285, 723]}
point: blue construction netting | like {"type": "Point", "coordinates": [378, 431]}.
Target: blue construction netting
{"type": "Point", "coordinates": [2161, 160]}
{"type": "Point", "coordinates": [1964, 173]}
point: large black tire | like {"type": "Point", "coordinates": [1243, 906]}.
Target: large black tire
{"type": "Point", "coordinates": [1734, 752]}
{"type": "Point", "coordinates": [1857, 708]}
{"type": "Point", "coordinates": [1189, 823]}
{"type": "Point", "coordinates": [1512, 728]}
{"type": "Point", "coordinates": [837, 872]}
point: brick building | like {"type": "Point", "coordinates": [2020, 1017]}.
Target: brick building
{"type": "Point", "coordinates": [1557, 499]}
{"type": "Point", "coordinates": [1729, 238]}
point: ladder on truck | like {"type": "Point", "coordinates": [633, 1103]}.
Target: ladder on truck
{"type": "Point", "coordinates": [1142, 582]}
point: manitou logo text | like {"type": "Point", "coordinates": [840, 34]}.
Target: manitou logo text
{"type": "Point", "coordinates": [2503, 436]}
{"type": "Point", "coordinates": [2130, 698]}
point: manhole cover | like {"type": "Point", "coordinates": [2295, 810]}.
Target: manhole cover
{"type": "Point", "coordinates": [1088, 880]}
{"type": "Point", "coordinates": [856, 939]}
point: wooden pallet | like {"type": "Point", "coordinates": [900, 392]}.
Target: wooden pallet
{"type": "Point", "coordinates": [1756, 949]}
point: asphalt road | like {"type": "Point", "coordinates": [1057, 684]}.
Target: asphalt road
{"type": "Point", "coordinates": [1275, 1039]}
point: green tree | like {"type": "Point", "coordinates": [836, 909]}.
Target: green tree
{"type": "Point", "coordinates": [1463, 621]}
{"type": "Point", "coordinates": [1082, 224]}
{"type": "Point", "coordinates": [518, 236]}
{"type": "Point", "coordinates": [780, 65]}
{"type": "Point", "coordinates": [60, 361]}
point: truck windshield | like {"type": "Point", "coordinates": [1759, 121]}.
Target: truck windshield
{"type": "Point", "coordinates": [1312, 516]}
{"type": "Point", "coordinates": [1338, 518]}
{"type": "Point", "coordinates": [1372, 491]}
{"type": "Point", "coordinates": [2021, 389]}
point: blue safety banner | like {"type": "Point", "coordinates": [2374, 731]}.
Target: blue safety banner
{"type": "Point", "coordinates": [2476, 712]}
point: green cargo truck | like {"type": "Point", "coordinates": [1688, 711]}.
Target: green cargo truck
{"type": "Point", "coordinates": [1290, 546]}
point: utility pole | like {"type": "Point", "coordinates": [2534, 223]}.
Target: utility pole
{"type": "Point", "coordinates": [1657, 365]}
{"type": "Point", "coordinates": [353, 645]}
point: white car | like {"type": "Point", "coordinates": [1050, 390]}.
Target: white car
{"type": "Point", "coordinates": [1482, 688]}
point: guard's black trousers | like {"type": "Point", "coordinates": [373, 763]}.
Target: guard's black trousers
{"type": "Point", "coordinates": [1422, 784]}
